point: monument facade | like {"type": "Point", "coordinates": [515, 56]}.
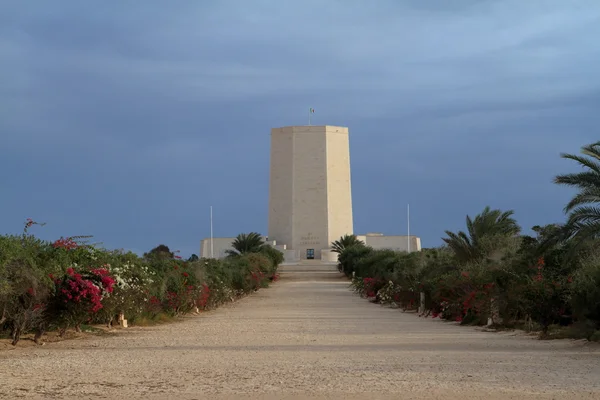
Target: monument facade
{"type": "Point", "coordinates": [310, 199]}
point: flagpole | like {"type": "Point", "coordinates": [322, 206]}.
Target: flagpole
{"type": "Point", "coordinates": [408, 224]}
{"type": "Point", "coordinates": [309, 112]}
{"type": "Point", "coordinates": [212, 249]}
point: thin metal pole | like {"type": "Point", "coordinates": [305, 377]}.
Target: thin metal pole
{"type": "Point", "coordinates": [309, 112]}
{"type": "Point", "coordinates": [212, 249]}
{"type": "Point", "coordinates": [408, 223]}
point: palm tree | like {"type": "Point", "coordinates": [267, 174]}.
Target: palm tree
{"type": "Point", "coordinates": [246, 243]}
{"type": "Point", "coordinates": [344, 242]}
{"type": "Point", "coordinates": [483, 234]}
{"type": "Point", "coordinates": [584, 209]}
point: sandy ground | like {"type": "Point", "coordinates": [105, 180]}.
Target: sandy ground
{"type": "Point", "coordinates": [307, 337]}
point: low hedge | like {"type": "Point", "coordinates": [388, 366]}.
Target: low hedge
{"type": "Point", "coordinates": [64, 284]}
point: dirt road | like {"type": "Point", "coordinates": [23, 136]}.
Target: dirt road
{"type": "Point", "coordinates": [306, 337]}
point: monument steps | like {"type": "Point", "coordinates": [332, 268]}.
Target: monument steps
{"type": "Point", "coordinates": [309, 266]}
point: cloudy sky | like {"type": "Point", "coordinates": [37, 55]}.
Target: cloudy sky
{"type": "Point", "coordinates": [127, 120]}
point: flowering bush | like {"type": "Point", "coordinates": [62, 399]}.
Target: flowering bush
{"type": "Point", "coordinates": [357, 284]}
{"type": "Point", "coordinates": [69, 282]}
{"type": "Point", "coordinates": [204, 296]}
{"type": "Point", "coordinates": [388, 293]}
{"type": "Point", "coordinates": [78, 295]}
{"type": "Point", "coordinates": [463, 297]}
{"type": "Point", "coordinates": [131, 290]}
{"type": "Point", "coordinates": [546, 300]}
{"type": "Point", "coordinates": [65, 243]}
{"type": "Point", "coordinates": [366, 287]}
{"type": "Point", "coordinates": [394, 294]}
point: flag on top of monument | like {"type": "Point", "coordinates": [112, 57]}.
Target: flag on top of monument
{"type": "Point", "coordinates": [312, 110]}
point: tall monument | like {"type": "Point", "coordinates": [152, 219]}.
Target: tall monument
{"type": "Point", "coordinates": [310, 200]}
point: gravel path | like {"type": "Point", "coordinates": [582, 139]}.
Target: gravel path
{"type": "Point", "coordinates": [306, 337]}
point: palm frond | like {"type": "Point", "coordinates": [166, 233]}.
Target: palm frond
{"type": "Point", "coordinates": [231, 253]}
{"type": "Point", "coordinates": [586, 196]}
{"type": "Point", "coordinates": [248, 243]}
{"type": "Point", "coordinates": [584, 215]}
{"type": "Point", "coordinates": [578, 235]}
{"type": "Point", "coordinates": [345, 242]}
{"type": "Point", "coordinates": [474, 244]}
{"type": "Point", "coordinates": [584, 208]}
{"type": "Point", "coordinates": [581, 180]}
{"type": "Point", "coordinates": [460, 245]}
{"type": "Point", "coordinates": [592, 150]}
{"type": "Point", "coordinates": [585, 162]}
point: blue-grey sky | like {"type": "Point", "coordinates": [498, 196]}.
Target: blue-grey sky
{"type": "Point", "coordinates": [126, 120]}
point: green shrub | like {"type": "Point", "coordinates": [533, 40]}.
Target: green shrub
{"type": "Point", "coordinates": [69, 283]}
{"type": "Point", "coordinates": [274, 255]}
{"type": "Point", "coordinates": [586, 291]}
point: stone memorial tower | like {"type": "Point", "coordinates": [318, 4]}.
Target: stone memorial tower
{"type": "Point", "coordinates": [310, 200]}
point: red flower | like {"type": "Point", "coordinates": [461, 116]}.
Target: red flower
{"type": "Point", "coordinates": [204, 296]}
{"type": "Point", "coordinates": [70, 271]}
{"type": "Point", "coordinates": [541, 262]}
{"type": "Point", "coordinates": [185, 274]}
{"type": "Point", "coordinates": [178, 257]}
{"type": "Point", "coordinates": [77, 290]}
{"type": "Point", "coordinates": [65, 243]}
{"type": "Point", "coordinates": [100, 272]}
{"type": "Point", "coordinates": [108, 283]}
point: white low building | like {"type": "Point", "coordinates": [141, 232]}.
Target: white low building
{"type": "Point", "coordinates": [378, 241]}
{"type": "Point", "coordinates": [399, 243]}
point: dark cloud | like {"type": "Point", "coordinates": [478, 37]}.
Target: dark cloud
{"type": "Point", "coordinates": [128, 121]}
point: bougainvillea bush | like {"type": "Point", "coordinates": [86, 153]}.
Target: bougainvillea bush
{"type": "Point", "coordinates": [67, 283]}
{"type": "Point", "coordinates": [77, 296]}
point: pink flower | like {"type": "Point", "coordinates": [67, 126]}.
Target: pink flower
{"type": "Point", "coordinates": [100, 271]}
